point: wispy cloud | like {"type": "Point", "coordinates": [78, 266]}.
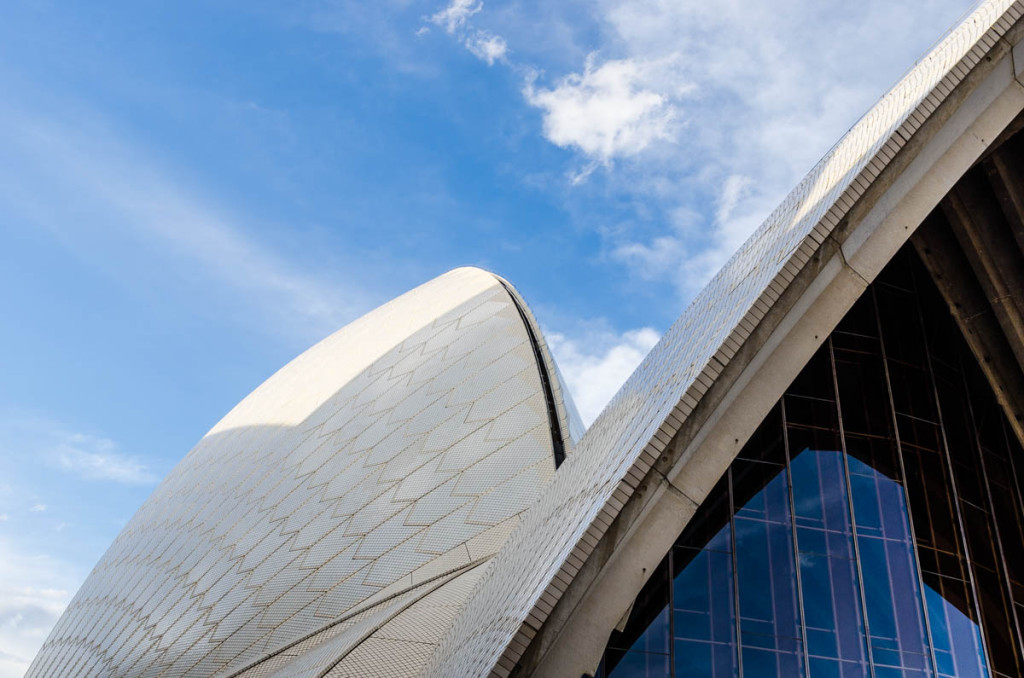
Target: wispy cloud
{"type": "Point", "coordinates": [456, 14]}
{"type": "Point", "coordinates": [90, 170]}
{"type": "Point", "coordinates": [597, 362]}
{"type": "Point", "coordinates": [455, 20]}
{"type": "Point", "coordinates": [34, 590]}
{"type": "Point", "coordinates": [774, 85]}
{"type": "Point", "coordinates": [716, 109]}
{"type": "Point", "coordinates": [87, 456]}
{"type": "Point", "coordinates": [96, 458]}
{"type": "Point", "coordinates": [54, 462]}
{"type": "Point", "coordinates": [487, 46]}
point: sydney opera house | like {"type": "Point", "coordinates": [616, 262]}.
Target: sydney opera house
{"type": "Point", "coordinates": [817, 472]}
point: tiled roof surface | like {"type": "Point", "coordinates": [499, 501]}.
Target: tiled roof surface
{"type": "Point", "coordinates": [528, 576]}
{"type": "Point", "coordinates": [372, 469]}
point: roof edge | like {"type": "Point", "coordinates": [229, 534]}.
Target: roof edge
{"type": "Point", "coordinates": [557, 396]}
{"type": "Point", "coordinates": [807, 218]}
{"type": "Point", "coordinates": [694, 397]}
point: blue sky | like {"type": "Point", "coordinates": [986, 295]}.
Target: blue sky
{"type": "Point", "coordinates": [193, 193]}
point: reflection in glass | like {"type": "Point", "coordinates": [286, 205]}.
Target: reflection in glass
{"type": "Point", "coordinates": [766, 576]}
{"type": "Point", "coordinates": [833, 619]}
{"type": "Point", "coordinates": [871, 527]}
{"type": "Point", "coordinates": [703, 610]}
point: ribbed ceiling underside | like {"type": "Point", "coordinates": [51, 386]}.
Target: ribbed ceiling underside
{"type": "Point", "coordinates": [973, 246]}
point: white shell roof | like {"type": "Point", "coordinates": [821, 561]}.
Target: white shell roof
{"type": "Point", "coordinates": [359, 495]}
{"type": "Point", "coordinates": [527, 577]}
{"type": "Point", "coordinates": [371, 475]}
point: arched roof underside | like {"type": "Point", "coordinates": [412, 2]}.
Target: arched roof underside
{"type": "Point", "coordinates": [574, 564]}
{"type": "Point", "coordinates": [349, 502]}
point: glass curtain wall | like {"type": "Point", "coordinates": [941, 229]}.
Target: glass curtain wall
{"type": "Point", "coordinates": [871, 527]}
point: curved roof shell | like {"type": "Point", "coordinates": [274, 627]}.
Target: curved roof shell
{"type": "Point", "coordinates": [236, 567]}
{"type": "Point", "coordinates": [367, 479]}
{"type": "Point", "coordinates": [573, 566]}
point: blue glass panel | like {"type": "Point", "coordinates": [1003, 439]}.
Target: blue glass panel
{"type": "Point", "coordinates": [803, 513]}
{"type": "Point", "coordinates": [704, 614]}
{"type": "Point", "coordinates": [655, 637]}
{"type": "Point", "coordinates": [766, 575]}
{"type": "Point", "coordinates": [879, 503]}
{"type": "Point", "coordinates": [761, 663]}
{"type": "Point", "coordinates": [635, 649]}
{"type": "Point", "coordinates": [832, 607]}
{"type": "Point", "coordinates": [819, 496]}
{"type": "Point", "coordinates": [834, 668]}
{"type": "Point", "coordinates": [895, 672]}
{"type": "Point", "coordinates": [704, 598]}
{"type": "Point", "coordinates": [641, 665]}
{"type": "Point", "coordinates": [891, 589]}
{"type": "Point", "coordinates": [828, 571]}
{"type": "Point", "coordinates": [956, 639]}
{"type": "Point", "coordinates": [705, 660]}
{"type": "Point", "coordinates": [771, 500]}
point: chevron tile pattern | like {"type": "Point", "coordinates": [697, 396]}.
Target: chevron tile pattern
{"type": "Point", "coordinates": [556, 536]}
{"type": "Point", "coordinates": [371, 471]}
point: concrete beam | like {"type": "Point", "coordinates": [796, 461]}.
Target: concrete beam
{"type": "Point", "coordinates": [1006, 175]}
{"type": "Point", "coordinates": [952, 274]}
{"type": "Point", "coordinates": [572, 639]}
{"type": "Point", "coordinates": [988, 245]}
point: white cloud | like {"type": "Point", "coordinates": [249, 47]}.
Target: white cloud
{"type": "Point", "coordinates": [85, 455]}
{"type": "Point", "coordinates": [733, 190]}
{"type": "Point", "coordinates": [610, 110]}
{"type": "Point", "coordinates": [717, 108]}
{"type": "Point", "coordinates": [88, 170]}
{"type": "Point", "coordinates": [35, 584]}
{"type": "Point", "coordinates": [654, 259]}
{"type": "Point", "coordinates": [773, 84]}
{"type": "Point", "coordinates": [4, 517]}
{"type": "Point", "coordinates": [97, 458]}
{"type": "Point", "coordinates": [597, 363]}
{"type": "Point", "coordinates": [487, 47]}
{"type": "Point", "coordinates": [694, 247]}
{"type": "Point", "coordinates": [34, 590]}
{"type": "Point", "coordinates": [456, 14]}
{"type": "Point", "coordinates": [482, 44]}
